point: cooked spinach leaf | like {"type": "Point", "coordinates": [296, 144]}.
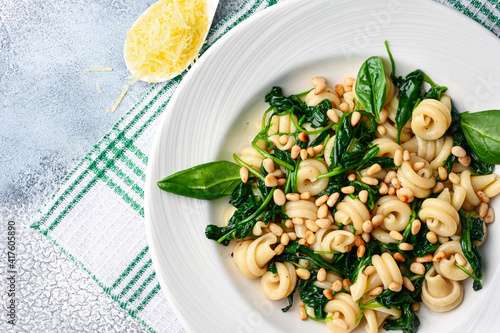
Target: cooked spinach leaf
{"type": "Point", "coordinates": [472, 229]}
{"type": "Point", "coordinates": [409, 93]}
{"type": "Point", "coordinates": [371, 86]}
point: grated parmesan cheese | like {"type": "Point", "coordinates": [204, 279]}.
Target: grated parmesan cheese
{"type": "Point", "coordinates": [165, 39]}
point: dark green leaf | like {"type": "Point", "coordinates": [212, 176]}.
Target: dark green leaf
{"type": "Point", "coordinates": [483, 135]}
{"type": "Point", "coordinates": [408, 322]}
{"type": "Point", "coordinates": [206, 181]}
{"type": "Point", "coordinates": [409, 92]}
{"type": "Point", "coordinates": [470, 226]}
{"type": "Point", "coordinates": [371, 86]}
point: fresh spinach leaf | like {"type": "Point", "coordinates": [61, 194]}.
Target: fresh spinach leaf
{"type": "Point", "coordinates": [206, 181]}
{"type": "Point", "coordinates": [472, 228]}
{"type": "Point", "coordinates": [409, 92]}
{"type": "Point", "coordinates": [482, 133]}
{"type": "Point", "coordinates": [371, 86]}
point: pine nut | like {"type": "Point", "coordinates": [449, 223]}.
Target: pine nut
{"type": "Point", "coordinates": [270, 181]}
{"type": "Point", "coordinates": [399, 257]}
{"type": "Point", "coordinates": [321, 200]}
{"type": "Point", "coordinates": [443, 174]}
{"type": "Point", "coordinates": [281, 181]}
{"type": "Point", "coordinates": [367, 226]}
{"type": "Point", "coordinates": [458, 151]}
{"type": "Point", "coordinates": [346, 284]}
{"type": "Point", "coordinates": [417, 166]}
{"type": "Point", "coordinates": [490, 216]}
{"type": "Point", "coordinates": [370, 181]}
{"type": "Point", "coordinates": [279, 249]}
{"type": "Point", "coordinates": [408, 284]}
{"type": "Point", "coordinates": [303, 241]}
{"type": "Point", "coordinates": [454, 178]}
{"type": "Point", "coordinates": [398, 157]}
{"type": "Point", "coordinates": [317, 80]}
{"type": "Point", "coordinates": [322, 211]}
{"type": "Point", "coordinates": [369, 270]}
{"type": "Point", "coordinates": [344, 107]}
{"type": "Point", "coordinates": [311, 225]}
{"type": "Point", "coordinates": [396, 235]}
{"type": "Point", "coordinates": [383, 188]}
{"type": "Point", "coordinates": [374, 169]}
{"type": "Point", "coordinates": [438, 187]}
{"type": "Point", "coordinates": [292, 235]}
{"type": "Point", "coordinates": [277, 173]}
{"type": "Point", "coordinates": [244, 174]}
{"type": "Point", "coordinates": [460, 259]}
{"type": "Point", "coordinates": [303, 137]}
{"type": "Point", "coordinates": [351, 177]}
{"type": "Point", "coordinates": [285, 239]}
{"type": "Point", "coordinates": [483, 209]}
{"type": "Point", "coordinates": [388, 177]}
{"type": "Point", "coordinates": [305, 195]}
{"type": "Point", "coordinates": [284, 139]}
{"type": "Point", "coordinates": [333, 116]}
{"type": "Point", "coordinates": [465, 161]}
{"type": "Point", "coordinates": [391, 191]}
{"type": "Point", "coordinates": [327, 293]}
{"type": "Point", "coordinates": [355, 118]}
{"type": "Point", "coordinates": [310, 237]}
{"type": "Point", "coordinates": [365, 236]}
{"type": "Point", "coordinates": [318, 149]}
{"type": "Point", "coordinates": [275, 229]}
{"type": "Point", "coordinates": [339, 89]}
{"type": "Point", "coordinates": [376, 291]}
{"type": "Point", "coordinates": [295, 151]}
{"type": "Point", "coordinates": [415, 307]}
{"type": "Point", "coordinates": [417, 268]}
{"type": "Point", "coordinates": [320, 88]}
{"type": "Point", "coordinates": [431, 237]}
{"type": "Point", "coordinates": [292, 197]}
{"type": "Point", "coordinates": [405, 194]}
{"type": "Point", "coordinates": [302, 313]}
{"type": "Point", "coordinates": [358, 242]}
{"type": "Point", "coordinates": [395, 286]}
{"type": "Point", "coordinates": [381, 130]}
{"type": "Point", "coordinates": [395, 182]}
{"type": "Point", "coordinates": [289, 224]}
{"type": "Point", "coordinates": [349, 81]}
{"type": "Point", "coordinates": [332, 200]}
{"type": "Point", "coordinates": [426, 258]}
{"type": "Point", "coordinates": [323, 223]}
{"type": "Point", "coordinates": [298, 220]}
{"type": "Point", "coordinates": [303, 273]}
{"type": "Point", "coordinates": [363, 196]}
{"type": "Point", "coordinates": [303, 154]}
{"type": "Point", "coordinates": [337, 286]}
{"type": "Point", "coordinates": [439, 256]}
{"type": "Point", "coordinates": [378, 220]}
{"type": "Point", "coordinates": [482, 196]}
{"type": "Point", "coordinates": [415, 227]}
{"type": "Point", "coordinates": [406, 156]}
{"type": "Point", "coordinates": [321, 274]}
{"type": "Point", "coordinates": [347, 189]}
{"type": "Point", "coordinates": [361, 251]}
{"type": "Point", "coordinates": [405, 247]}
{"type": "Point", "coordinates": [310, 152]}
{"type": "Point", "coordinates": [279, 197]}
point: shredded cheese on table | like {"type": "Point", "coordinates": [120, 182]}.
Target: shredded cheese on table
{"type": "Point", "coordinates": [166, 39]}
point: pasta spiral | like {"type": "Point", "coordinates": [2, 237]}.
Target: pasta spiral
{"type": "Point", "coordinates": [439, 294]}
{"type": "Point", "coordinates": [282, 124]}
{"type": "Point", "coordinates": [396, 213]}
{"type": "Point", "coordinates": [421, 182]}
{"type": "Point", "coordinates": [302, 208]}
{"type": "Point", "coordinates": [352, 211]}
{"type": "Point", "coordinates": [306, 177]}
{"type": "Point", "coordinates": [446, 267]}
{"type": "Point", "coordinates": [387, 269]}
{"type": "Point", "coordinates": [440, 216]}
{"type": "Point", "coordinates": [430, 119]}
{"type": "Point", "coordinates": [386, 146]}
{"type": "Point", "coordinates": [489, 184]}
{"type": "Point", "coordinates": [435, 151]}
{"type": "Point", "coordinates": [342, 307]}
{"type": "Point", "coordinates": [279, 285]}
{"type": "Point", "coordinates": [376, 317]}
{"type": "Point", "coordinates": [252, 256]}
{"type": "Point", "coordinates": [252, 157]}
{"type": "Point", "coordinates": [312, 99]}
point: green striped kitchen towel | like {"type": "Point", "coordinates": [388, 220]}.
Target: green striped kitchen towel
{"type": "Point", "coordinates": [97, 215]}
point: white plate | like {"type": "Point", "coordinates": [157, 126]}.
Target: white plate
{"type": "Point", "coordinates": [286, 45]}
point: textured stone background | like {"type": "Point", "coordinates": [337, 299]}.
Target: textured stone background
{"type": "Point", "coordinates": [50, 115]}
